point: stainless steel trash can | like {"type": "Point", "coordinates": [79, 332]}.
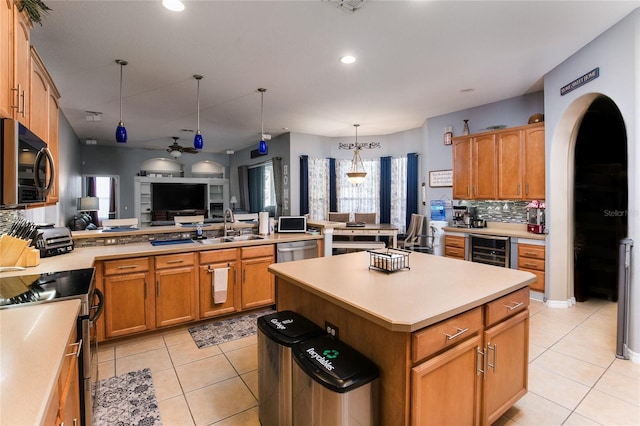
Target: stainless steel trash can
{"type": "Point", "coordinates": [277, 332]}
{"type": "Point", "coordinates": [333, 384]}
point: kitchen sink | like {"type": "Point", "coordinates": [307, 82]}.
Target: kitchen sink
{"type": "Point", "coordinates": [219, 240]}
{"type": "Point", "coordinates": [245, 237]}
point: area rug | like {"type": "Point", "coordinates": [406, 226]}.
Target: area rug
{"type": "Point", "coordinates": [128, 399]}
{"type": "Point", "coordinates": [225, 330]}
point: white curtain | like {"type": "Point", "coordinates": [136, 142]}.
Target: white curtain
{"type": "Point", "coordinates": [399, 193]}
{"type": "Point", "coordinates": [362, 198]}
{"type": "Point", "coordinates": [318, 188]}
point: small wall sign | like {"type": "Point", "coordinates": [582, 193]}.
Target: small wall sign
{"type": "Point", "coordinates": [440, 178]}
{"type": "Point", "coordinates": [580, 81]}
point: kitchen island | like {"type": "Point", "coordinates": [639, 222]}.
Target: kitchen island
{"type": "Point", "coordinates": [433, 330]}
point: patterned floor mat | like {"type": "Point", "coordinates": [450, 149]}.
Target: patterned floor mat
{"type": "Point", "coordinates": [221, 331]}
{"type": "Point", "coordinates": [128, 399]}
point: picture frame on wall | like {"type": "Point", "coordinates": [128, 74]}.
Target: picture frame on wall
{"type": "Point", "coordinates": [440, 178]}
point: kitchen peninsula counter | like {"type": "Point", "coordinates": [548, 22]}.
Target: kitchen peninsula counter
{"type": "Point", "coordinates": [385, 316]}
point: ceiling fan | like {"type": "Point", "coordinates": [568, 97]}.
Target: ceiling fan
{"type": "Point", "coordinates": [176, 150]}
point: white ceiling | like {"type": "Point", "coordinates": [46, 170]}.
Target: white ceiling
{"type": "Point", "coordinates": [413, 60]}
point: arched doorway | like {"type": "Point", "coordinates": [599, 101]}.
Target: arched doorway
{"type": "Point", "coordinates": [600, 202]}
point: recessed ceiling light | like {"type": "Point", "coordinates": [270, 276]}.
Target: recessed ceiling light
{"type": "Point", "coordinates": [173, 5]}
{"type": "Point", "coordinates": [347, 59]}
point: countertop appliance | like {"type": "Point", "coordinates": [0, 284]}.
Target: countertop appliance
{"type": "Point", "coordinates": [52, 241]}
{"type": "Point", "coordinates": [28, 169]}
{"type": "Point", "coordinates": [75, 284]}
{"type": "Point", "coordinates": [535, 217]}
{"type": "Point", "coordinates": [292, 224]}
{"type": "Point", "coordinates": [296, 250]}
{"type": "Point", "coordinates": [490, 249]}
{"type": "Point", "coordinates": [458, 215]}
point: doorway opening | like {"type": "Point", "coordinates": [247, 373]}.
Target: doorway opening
{"type": "Point", "coordinates": [600, 200]}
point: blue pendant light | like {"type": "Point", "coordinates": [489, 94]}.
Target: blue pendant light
{"type": "Point", "coordinates": [262, 146]}
{"type": "Point", "coordinates": [121, 131]}
{"type": "Point", "coordinates": [198, 141]}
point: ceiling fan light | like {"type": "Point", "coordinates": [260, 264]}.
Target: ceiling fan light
{"type": "Point", "coordinates": [198, 141]}
{"type": "Point", "coordinates": [121, 133]}
{"type": "Point", "coordinates": [175, 153]}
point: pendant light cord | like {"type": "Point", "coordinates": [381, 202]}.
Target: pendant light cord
{"type": "Point", "coordinates": [198, 101]}
{"type": "Point", "coordinates": [262, 115]}
{"type": "Point", "coordinates": [121, 65]}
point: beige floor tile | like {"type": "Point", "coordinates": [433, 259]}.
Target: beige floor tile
{"type": "Point", "coordinates": [244, 359]}
{"type": "Point", "coordinates": [204, 372]}
{"type": "Point", "coordinates": [534, 410]}
{"type": "Point", "coordinates": [620, 386]}
{"type": "Point", "coordinates": [594, 337]}
{"type": "Point", "coordinates": [177, 336]}
{"type": "Point", "coordinates": [504, 421]}
{"type": "Point", "coordinates": [219, 401]}
{"type": "Point", "coordinates": [187, 352]}
{"type": "Point", "coordinates": [246, 418]}
{"type": "Point", "coordinates": [106, 370]}
{"type": "Point", "coordinates": [567, 318]}
{"type": "Point", "coordinates": [106, 352]}
{"type": "Point", "coordinates": [251, 380]}
{"type": "Point", "coordinates": [607, 410]}
{"type": "Point", "coordinates": [576, 419]}
{"type": "Point", "coordinates": [535, 351]}
{"type": "Point", "coordinates": [626, 367]}
{"type": "Point", "coordinates": [573, 345]}
{"type": "Point", "coordinates": [139, 345]}
{"type": "Point", "coordinates": [157, 360]}
{"type": "Point", "coordinates": [545, 337]}
{"type": "Point", "coordinates": [556, 388]}
{"type": "Point", "coordinates": [536, 306]}
{"type": "Point", "coordinates": [569, 367]}
{"type": "Point", "coordinates": [175, 412]}
{"type": "Point", "coordinates": [166, 384]}
{"type": "Point", "coordinates": [239, 343]}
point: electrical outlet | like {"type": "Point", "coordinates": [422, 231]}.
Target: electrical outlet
{"type": "Point", "coordinates": [331, 329]}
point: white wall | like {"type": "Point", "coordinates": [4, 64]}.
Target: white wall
{"type": "Point", "coordinates": [617, 53]}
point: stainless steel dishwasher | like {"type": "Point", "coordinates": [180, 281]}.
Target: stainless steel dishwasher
{"type": "Point", "coordinates": [296, 250]}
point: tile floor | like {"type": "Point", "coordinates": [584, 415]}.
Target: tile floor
{"type": "Point", "coordinates": [574, 376]}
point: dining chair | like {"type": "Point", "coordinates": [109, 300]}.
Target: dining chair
{"type": "Point", "coordinates": [412, 236]}
{"type": "Point", "coordinates": [339, 217]}
{"type": "Point", "coordinates": [365, 217]}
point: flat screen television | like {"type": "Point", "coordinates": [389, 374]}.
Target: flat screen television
{"type": "Point", "coordinates": [178, 196]}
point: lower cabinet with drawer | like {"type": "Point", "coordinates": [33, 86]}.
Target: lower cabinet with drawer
{"type": "Point", "coordinates": [454, 246]}
{"type": "Point", "coordinates": [212, 305]}
{"type": "Point", "coordinates": [470, 369]}
{"type": "Point", "coordinates": [258, 284]}
{"type": "Point", "coordinates": [176, 289]}
{"type": "Point", "coordinates": [531, 259]}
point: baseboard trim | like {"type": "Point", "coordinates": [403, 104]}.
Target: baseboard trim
{"type": "Point", "coordinates": [561, 303]}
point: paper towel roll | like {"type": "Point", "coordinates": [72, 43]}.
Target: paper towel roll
{"type": "Point", "coordinates": [263, 223]}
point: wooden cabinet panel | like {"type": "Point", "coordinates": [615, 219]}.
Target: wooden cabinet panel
{"type": "Point", "coordinates": [540, 277]}
{"type": "Point", "coordinates": [506, 306]}
{"type": "Point", "coordinates": [534, 165]}
{"type": "Point", "coordinates": [531, 258]}
{"type": "Point", "coordinates": [462, 168]}
{"type": "Point", "coordinates": [454, 241]}
{"type": "Point", "coordinates": [506, 372]}
{"type": "Point", "coordinates": [6, 58]}
{"type": "Point", "coordinates": [454, 246]}
{"type": "Point", "coordinates": [257, 251]}
{"type": "Point", "coordinates": [445, 390]}
{"type": "Point", "coordinates": [69, 386]}
{"type": "Point", "coordinates": [510, 158]}
{"type": "Point", "coordinates": [258, 284]}
{"type": "Point", "coordinates": [21, 67]}
{"type": "Point", "coordinates": [445, 334]}
{"type": "Point", "coordinates": [176, 294]}
{"type": "Point", "coordinates": [216, 256]}
{"type": "Point", "coordinates": [484, 169]}
{"type": "Point", "coordinates": [39, 99]}
{"type": "Point", "coordinates": [134, 264]}
{"type": "Point", "coordinates": [530, 251]}
{"type": "Point", "coordinates": [174, 260]}
{"type": "Point", "coordinates": [129, 305]}
{"type": "Point", "coordinates": [208, 308]}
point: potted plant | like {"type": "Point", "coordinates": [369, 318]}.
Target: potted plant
{"type": "Point", "coordinates": [34, 8]}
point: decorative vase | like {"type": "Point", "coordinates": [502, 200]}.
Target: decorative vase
{"type": "Point", "coordinates": [465, 129]}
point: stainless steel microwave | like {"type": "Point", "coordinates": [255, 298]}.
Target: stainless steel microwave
{"type": "Point", "coordinates": [28, 170]}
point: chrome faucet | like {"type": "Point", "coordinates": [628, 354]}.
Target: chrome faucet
{"type": "Point", "coordinates": [227, 227]}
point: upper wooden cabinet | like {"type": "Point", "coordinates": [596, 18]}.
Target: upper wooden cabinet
{"type": "Point", "coordinates": [6, 57]}
{"type": "Point", "coordinates": [15, 75]}
{"type": "Point", "coordinates": [505, 164]}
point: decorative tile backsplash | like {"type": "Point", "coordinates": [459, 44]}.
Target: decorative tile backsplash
{"type": "Point", "coordinates": [7, 217]}
{"type": "Point", "coordinates": [499, 211]}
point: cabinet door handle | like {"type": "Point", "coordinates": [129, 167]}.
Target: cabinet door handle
{"type": "Point", "coordinates": [460, 332]}
{"type": "Point", "coordinates": [475, 189]}
{"type": "Point", "coordinates": [244, 275]}
{"type": "Point", "coordinates": [158, 288]}
{"type": "Point", "coordinates": [480, 357]}
{"type": "Point", "coordinates": [530, 265]}
{"type": "Point", "coordinates": [518, 189]}
{"type": "Point", "coordinates": [514, 305]}
{"type": "Point", "coordinates": [468, 189]}
{"type": "Point", "coordinates": [526, 189]}
{"type": "Point", "coordinates": [146, 289]}
{"type": "Point", "coordinates": [23, 105]}
{"type": "Point", "coordinates": [528, 253]}
{"type": "Point", "coordinates": [76, 352]}
{"type": "Point", "coordinates": [127, 266]}
{"type": "Point", "coordinates": [18, 90]}
{"type": "Point", "coordinates": [493, 348]}
{"type": "Point", "coordinates": [175, 261]}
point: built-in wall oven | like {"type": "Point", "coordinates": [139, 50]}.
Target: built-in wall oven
{"type": "Point", "coordinates": [490, 249]}
{"type": "Point", "coordinates": [75, 284]}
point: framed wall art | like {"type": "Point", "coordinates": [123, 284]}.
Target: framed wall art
{"type": "Point", "coordinates": [440, 178]}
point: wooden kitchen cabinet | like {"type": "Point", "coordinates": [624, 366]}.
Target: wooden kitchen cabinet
{"type": "Point", "coordinates": [176, 289]}
{"type": "Point", "coordinates": [209, 261]}
{"type": "Point", "coordinates": [462, 168]}
{"type": "Point", "coordinates": [534, 162]}
{"type": "Point", "coordinates": [6, 58]}
{"type": "Point", "coordinates": [531, 258]}
{"type": "Point", "coordinates": [20, 86]}
{"type": "Point", "coordinates": [454, 246]}
{"type": "Point", "coordinates": [484, 167]}
{"type": "Point", "coordinates": [510, 157]}
{"type": "Point", "coordinates": [129, 305]}
{"type": "Point", "coordinates": [258, 284]}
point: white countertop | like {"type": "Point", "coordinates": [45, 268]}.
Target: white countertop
{"type": "Point", "coordinates": [498, 228]}
{"type": "Point", "coordinates": [435, 288]}
{"type": "Point", "coordinates": [33, 342]}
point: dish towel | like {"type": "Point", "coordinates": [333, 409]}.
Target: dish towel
{"type": "Point", "coordinates": [219, 284]}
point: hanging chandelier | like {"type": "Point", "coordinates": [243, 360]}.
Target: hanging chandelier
{"type": "Point", "coordinates": [198, 141]}
{"type": "Point", "coordinates": [121, 131]}
{"type": "Point", "coordinates": [357, 173]}
{"type": "Point", "coordinates": [262, 145]}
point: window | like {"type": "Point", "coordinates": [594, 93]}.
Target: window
{"type": "Point", "coordinates": [262, 192]}
{"type": "Point", "coordinates": [106, 189]}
